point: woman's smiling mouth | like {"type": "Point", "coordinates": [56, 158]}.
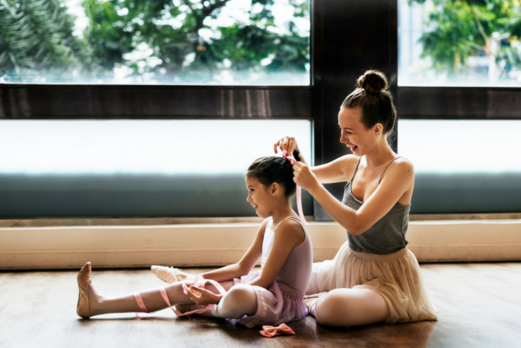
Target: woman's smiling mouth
{"type": "Point", "coordinates": [352, 147]}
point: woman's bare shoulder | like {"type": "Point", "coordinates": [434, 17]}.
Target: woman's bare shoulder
{"type": "Point", "coordinates": [404, 164]}
{"type": "Point", "coordinates": [401, 168]}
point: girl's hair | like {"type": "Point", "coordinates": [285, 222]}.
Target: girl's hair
{"type": "Point", "coordinates": [272, 169]}
{"type": "Point", "coordinates": [375, 100]}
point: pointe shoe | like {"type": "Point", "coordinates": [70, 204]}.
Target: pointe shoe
{"type": "Point", "coordinates": [169, 275]}
{"type": "Point", "coordinates": [84, 279]}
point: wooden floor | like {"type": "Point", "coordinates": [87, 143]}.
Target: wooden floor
{"type": "Point", "coordinates": [479, 305]}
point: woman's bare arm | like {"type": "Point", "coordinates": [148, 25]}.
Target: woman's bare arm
{"type": "Point", "coordinates": [335, 171]}
{"type": "Point", "coordinates": [397, 180]}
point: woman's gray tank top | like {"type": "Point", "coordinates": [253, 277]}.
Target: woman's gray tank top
{"type": "Point", "coordinates": [387, 235]}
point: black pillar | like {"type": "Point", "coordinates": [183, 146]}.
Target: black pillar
{"type": "Point", "coordinates": [348, 38]}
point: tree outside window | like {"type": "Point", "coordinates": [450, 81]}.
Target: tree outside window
{"type": "Point", "coordinates": [155, 41]}
{"type": "Point", "coordinates": [461, 42]}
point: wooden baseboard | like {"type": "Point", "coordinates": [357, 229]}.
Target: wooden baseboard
{"type": "Point", "coordinates": [198, 245]}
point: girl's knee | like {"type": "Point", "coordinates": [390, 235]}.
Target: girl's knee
{"type": "Point", "coordinates": [239, 300]}
{"type": "Point", "coordinates": [240, 295]}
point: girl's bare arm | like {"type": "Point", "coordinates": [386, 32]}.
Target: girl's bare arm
{"type": "Point", "coordinates": [245, 265]}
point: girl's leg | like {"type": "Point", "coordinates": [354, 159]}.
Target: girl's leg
{"type": "Point", "coordinates": [152, 298]}
{"type": "Point", "coordinates": [350, 307]}
{"type": "Point", "coordinates": [237, 302]}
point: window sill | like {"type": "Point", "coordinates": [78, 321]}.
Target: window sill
{"type": "Point", "coordinates": [214, 244]}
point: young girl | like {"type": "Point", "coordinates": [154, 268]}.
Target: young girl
{"type": "Point", "coordinates": [272, 296]}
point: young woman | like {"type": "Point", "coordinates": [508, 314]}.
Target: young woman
{"type": "Point", "coordinates": [273, 296]}
{"type": "Point", "coordinates": [374, 277]}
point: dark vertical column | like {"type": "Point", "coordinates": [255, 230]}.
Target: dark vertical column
{"type": "Point", "coordinates": [349, 37]}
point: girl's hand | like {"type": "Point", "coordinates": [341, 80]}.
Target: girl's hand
{"type": "Point", "coordinates": [287, 143]}
{"type": "Point", "coordinates": [304, 177]}
{"type": "Point", "coordinates": [202, 296]}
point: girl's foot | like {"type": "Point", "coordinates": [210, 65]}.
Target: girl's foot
{"type": "Point", "coordinates": [87, 292]}
{"type": "Point", "coordinates": [170, 275]}
{"type": "Point", "coordinates": [183, 308]}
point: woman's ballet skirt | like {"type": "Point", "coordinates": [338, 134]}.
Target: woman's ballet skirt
{"type": "Point", "coordinates": [276, 305]}
{"type": "Point", "coordinates": [394, 276]}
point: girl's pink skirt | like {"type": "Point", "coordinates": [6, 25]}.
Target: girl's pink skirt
{"type": "Point", "coordinates": [276, 305]}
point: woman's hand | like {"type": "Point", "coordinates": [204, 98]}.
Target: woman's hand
{"type": "Point", "coordinates": [304, 177]}
{"type": "Point", "coordinates": [287, 143]}
{"type": "Point", "coordinates": [202, 296]}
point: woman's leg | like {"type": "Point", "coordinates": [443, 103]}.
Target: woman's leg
{"type": "Point", "coordinates": [152, 298]}
{"type": "Point", "coordinates": [350, 307]}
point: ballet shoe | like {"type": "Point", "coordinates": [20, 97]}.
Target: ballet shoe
{"type": "Point", "coordinates": [169, 275]}
{"type": "Point", "coordinates": [183, 308]}
{"type": "Point", "coordinates": [84, 280]}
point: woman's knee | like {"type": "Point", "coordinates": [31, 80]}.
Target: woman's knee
{"type": "Point", "coordinates": [330, 307]}
{"type": "Point", "coordinates": [351, 307]}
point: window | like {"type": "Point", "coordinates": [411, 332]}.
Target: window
{"type": "Point", "coordinates": [223, 42]}
{"type": "Point", "coordinates": [142, 147]}
{"type": "Point", "coordinates": [459, 43]}
{"type": "Point", "coordinates": [114, 168]}
{"type": "Point", "coordinates": [461, 146]}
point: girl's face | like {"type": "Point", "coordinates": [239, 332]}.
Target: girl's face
{"type": "Point", "coordinates": [260, 197]}
{"type": "Point", "coordinates": [354, 134]}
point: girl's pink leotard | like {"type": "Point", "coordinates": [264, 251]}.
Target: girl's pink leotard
{"type": "Point", "coordinates": [284, 300]}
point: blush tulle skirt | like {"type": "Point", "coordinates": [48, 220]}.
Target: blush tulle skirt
{"type": "Point", "coordinates": [394, 276]}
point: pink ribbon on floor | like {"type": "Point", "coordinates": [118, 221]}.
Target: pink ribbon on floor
{"type": "Point", "coordinates": [271, 331]}
{"type": "Point", "coordinates": [292, 160]}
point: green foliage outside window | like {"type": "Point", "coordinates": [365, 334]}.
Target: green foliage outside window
{"type": "Point", "coordinates": [459, 29]}
{"type": "Point", "coordinates": [158, 38]}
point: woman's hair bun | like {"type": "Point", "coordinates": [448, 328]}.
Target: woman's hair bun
{"type": "Point", "coordinates": [373, 81]}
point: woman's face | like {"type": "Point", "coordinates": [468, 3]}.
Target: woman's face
{"type": "Point", "coordinates": [259, 197]}
{"type": "Point", "coordinates": [353, 133]}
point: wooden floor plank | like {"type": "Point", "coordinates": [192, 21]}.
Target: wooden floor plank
{"type": "Point", "coordinates": [479, 305]}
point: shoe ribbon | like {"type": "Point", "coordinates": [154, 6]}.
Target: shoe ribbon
{"type": "Point", "coordinates": [185, 290]}
{"type": "Point", "coordinates": [143, 308]}
{"type": "Point", "coordinates": [292, 160]}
